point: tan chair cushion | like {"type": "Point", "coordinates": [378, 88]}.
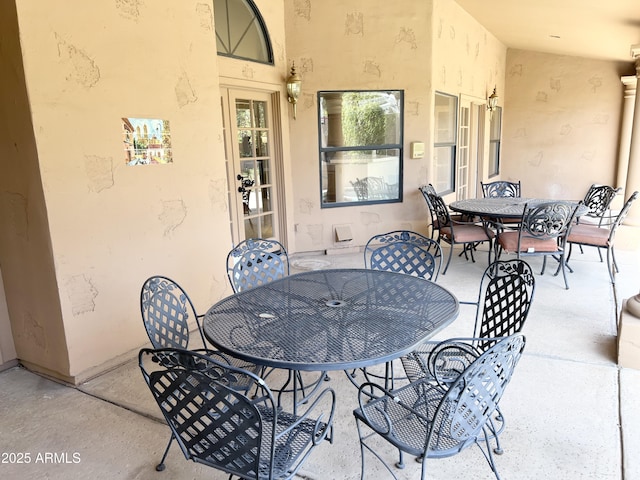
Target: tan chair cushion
{"type": "Point", "coordinates": [509, 243]}
{"type": "Point", "coordinates": [589, 235]}
{"type": "Point", "coordinates": [467, 233]}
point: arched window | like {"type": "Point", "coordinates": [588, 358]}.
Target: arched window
{"type": "Point", "coordinates": [241, 32]}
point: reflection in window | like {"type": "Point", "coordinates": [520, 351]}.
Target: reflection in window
{"type": "Point", "coordinates": [360, 147]}
{"type": "Point", "coordinates": [494, 141]}
{"type": "Point", "coordinates": [241, 32]}
{"type": "Point", "coordinates": [446, 121]}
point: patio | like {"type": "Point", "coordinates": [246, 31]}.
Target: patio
{"type": "Point", "coordinates": [571, 411]}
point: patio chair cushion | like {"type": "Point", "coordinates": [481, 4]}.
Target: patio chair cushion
{"type": "Point", "coordinates": [509, 242]}
{"type": "Point", "coordinates": [468, 233]}
{"type": "Point", "coordinates": [589, 235]}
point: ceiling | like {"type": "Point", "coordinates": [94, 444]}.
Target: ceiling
{"type": "Point", "coordinates": [600, 29]}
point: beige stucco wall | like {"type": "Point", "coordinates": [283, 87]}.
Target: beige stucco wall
{"type": "Point", "coordinates": [561, 122]}
{"type": "Point", "coordinates": [112, 225]}
{"type": "Point", "coordinates": [413, 46]}
{"type": "Point", "coordinates": [26, 256]}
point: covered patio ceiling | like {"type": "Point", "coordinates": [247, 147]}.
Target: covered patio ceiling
{"type": "Point", "coordinates": [584, 28]}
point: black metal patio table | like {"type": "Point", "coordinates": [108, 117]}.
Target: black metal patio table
{"type": "Point", "coordinates": [500, 207]}
{"type": "Point", "coordinates": [330, 319]}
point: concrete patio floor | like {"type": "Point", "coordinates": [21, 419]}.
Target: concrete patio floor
{"type": "Point", "coordinates": [572, 413]}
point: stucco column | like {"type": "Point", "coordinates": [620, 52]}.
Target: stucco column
{"type": "Point", "coordinates": [633, 174]}
{"type": "Point", "coordinates": [629, 82]}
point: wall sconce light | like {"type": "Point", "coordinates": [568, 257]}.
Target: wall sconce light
{"type": "Point", "coordinates": [293, 88]}
{"type": "Point", "coordinates": [492, 101]}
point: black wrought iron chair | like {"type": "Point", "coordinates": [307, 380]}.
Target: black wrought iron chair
{"type": "Point", "coordinates": [166, 309]}
{"type": "Point", "coordinates": [504, 301]}
{"type": "Point", "coordinates": [542, 232]}
{"type": "Point", "coordinates": [401, 251]}
{"type": "Point", "coordinates": [256, 261]}
{"type": "Point", "coordinates": [404, 251]}
{"type": "Point", "coordinates": [453, 232]}
{"type": "Point", "coordinates": [425, 190]}
{"type": "Point", "coordinates": [501, 188]}
{"type": "Point", "coordinates": [601, 237]}
{"type": "Point", "coordinates": [218, 425]}
{"type": "Point", "coordinates": [430, 420]}
{"type": "Point", "coordinates": [598, 200]}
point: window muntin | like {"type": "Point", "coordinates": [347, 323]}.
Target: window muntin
{"type": "Point", "coordinates": [360, 147]}
{"type": "Point", "coordinates": [494, 141]}
{"type": "Point", "coordinates": [446, 121]}
{"type": "Point", "coordinates": [241, 32]}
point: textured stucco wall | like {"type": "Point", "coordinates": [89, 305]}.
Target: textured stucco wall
{"type": "Point", "coordinates": [112, 225]}
{"type": "Point", "coordinates": [561, 123]}
{"type": "Point", "coordinates": [25, 248]}
{"type": "Point", "coordinates": [406, 45]}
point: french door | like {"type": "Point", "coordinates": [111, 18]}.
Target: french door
{"type": "Point", "coordinates": [253, 164]}
{"type": "Point", "coordinates": [469, 151]}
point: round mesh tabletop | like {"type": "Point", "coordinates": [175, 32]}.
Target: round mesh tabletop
{"type": "Point", "coordinates": [330, 319]}
{"type": "Point", "coordinates": [501, 207]}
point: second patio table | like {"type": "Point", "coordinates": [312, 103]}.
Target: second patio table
{"type": "Point", "coordinates": [330, 319]}
{"type": "Point", "coordinates": [500, 207]}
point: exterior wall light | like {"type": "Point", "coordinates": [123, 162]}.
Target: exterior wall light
{"type": "Point", "coordinates": [293, 88]}
{"type": "Point", "coordinates": [492, 101]}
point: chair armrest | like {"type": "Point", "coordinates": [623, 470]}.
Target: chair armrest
{"type": "Point", "coordinates": [326, 399]}
{"type": "Point", "coordinates": [451, 357]}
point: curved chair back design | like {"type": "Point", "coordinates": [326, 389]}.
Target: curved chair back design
{"type": "Point", "coordinates": [601, 237]}
{"type": "Point", "coordinates": [455, 232]}
{"type": "Point", "coordinates": [598, 199]}
{"type": "Point", "coordinates": [427, 190]}
{"type": "Point", "coordinates": [166, 309]}
{"type": "Point", "coordinates": [403, 251]}
{"type": "Point", "coordinates": [256, 261]}
{"type": "Point", "coordinates": [218, 425]}
{"type": "Point", "coordinates": [409, 419]}
{"type": "Point", "coordinates": [501, 188]}
{"type": "Point", "coordinates": [543, 231]}
{"type": "Point", "coordinates": [504, 301]}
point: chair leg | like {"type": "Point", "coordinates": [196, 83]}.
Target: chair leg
{"type": "Point", "coordinates": [564, 272]}
{"type": "Point", "coordinates": [544, 264]}
{"type": "Point", "coordinates": [448, 259]}
{"type": "Point", "coordinates": [612, 268]}
{"type": "Point", "coordinates": [160, 467]}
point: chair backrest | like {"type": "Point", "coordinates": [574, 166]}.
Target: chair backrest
{"type": "Point", "coordinates": [256, 261]}
{"type": "Point", "coordinates": [598, 198]}
{"type": "Point", "coordinates": [501, 188]}
{"type": "Point", "coordinates": [166, 309]}
{"type": "Point", "coordinates": [213, 422]}
{"type": "Point", "coordinates": [504, 301]}
{"type": "Point", "coordinates": [403, 251]}
{"type": "Point", "coordinates": [549, 220]}
{"type": "Point", "coordinates": [440, 209]}
{"type": "Point", "coordinates": [622, 215]}
{"type": "Point", "coordinates": [473, 397]}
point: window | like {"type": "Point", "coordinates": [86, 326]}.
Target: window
{"type": "Point", "coordinates": [241, 32]}
{"type": "Point", "coordinates": [446, 121]}
{"type": "Point", "coordinates": [494, 141]}
{"type": "Point", "coordinates": [360, 147]}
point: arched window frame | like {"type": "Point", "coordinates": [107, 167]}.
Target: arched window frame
{"type": "Point", "coordinates": [262, 30]}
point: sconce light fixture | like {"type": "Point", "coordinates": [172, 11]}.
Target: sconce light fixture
{"type": "Point", "coordinates": [293, 88]}
{"type": "Point", "coordinates": [492, 101]}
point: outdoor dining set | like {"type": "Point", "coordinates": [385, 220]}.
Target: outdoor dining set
{"type": "Point", "coordinates": [227, 405]}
